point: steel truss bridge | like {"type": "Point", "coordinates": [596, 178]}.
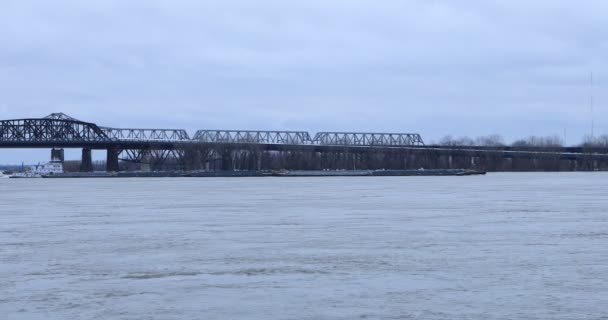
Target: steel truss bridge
{"type": "Point", "coordinates": [61, 130]}
{"type": "Point", "coordinates": [58, 130]}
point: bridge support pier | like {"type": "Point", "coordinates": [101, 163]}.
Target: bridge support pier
{"type": "Point", "coordinates": [191, 159]}
{"type": "Point", "coordinates": [112, 160]}
{"type": "Point", "coordinates": [57, 155]}
{"type": "Point", "coordinates": [86, 164]}
{"type": "Point", "coordinates": [226, 161]}
{"type": "Point", "coordinates": [146, 159]}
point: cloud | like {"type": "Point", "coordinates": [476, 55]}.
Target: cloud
{"type": "Point", "coordinates": [436, 67]}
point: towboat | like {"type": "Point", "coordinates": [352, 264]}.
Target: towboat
{"type": "Point", "coordinates": [39, 170]}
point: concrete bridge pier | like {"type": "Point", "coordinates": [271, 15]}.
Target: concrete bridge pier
{"type": "Point", "coordinates": [574, 165]}
{"type": "Point", "coordinates": [509, 164]}
{"type": "Point", "coordinates": [191, 160]}
{"type": "Point", "coordinates": [57, 155]}
{"type": "Point", "coordinates": [226, 159]}
{"type": "Point", "coordinates": [258, 160]}
{"type": "Point", "coordinates": [112, 160]}
{"type": "Point", "coordinates": [146, 161]}
{"type": "Point", "coordinates": [86, 164]}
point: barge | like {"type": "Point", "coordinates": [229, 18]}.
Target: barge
{"type": "Point", "coordinates": [281, 173]}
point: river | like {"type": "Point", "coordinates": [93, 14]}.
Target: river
{"type": "Point", "coordinates": [500, 246]}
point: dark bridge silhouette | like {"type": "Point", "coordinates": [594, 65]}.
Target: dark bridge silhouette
{"type": "Point", "coordinates": [227, 147]}
{"type": "Point", "coordinates": [58, 129]}
{"type": "Point", "coordinates": [61, 130]}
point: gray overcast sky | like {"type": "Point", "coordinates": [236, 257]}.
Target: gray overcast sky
{"type": "Point", "coordinates": [514, 68]}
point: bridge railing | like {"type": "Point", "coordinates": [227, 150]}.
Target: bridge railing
{"type": "Point", "coordinates": [368, 139]}
{"type": "Point", "coordinates": [146, 134]}
{"type": "Point", "coordinates": [252, 137]}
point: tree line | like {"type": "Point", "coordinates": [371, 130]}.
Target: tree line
{"type": "Point", "coordinates": [552, 141]}
{"type": "Point", "coordinates": [254, 158]}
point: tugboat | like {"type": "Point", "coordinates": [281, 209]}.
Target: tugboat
{"type": "Point", "coordinates": [37, 171]}
{"type": "Point", "coordinates": [55, 166]}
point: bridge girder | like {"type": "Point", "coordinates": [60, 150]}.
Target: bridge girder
{"type": "Point", "coordinates": [368, 139]}
{"type": "Point", "coordinates": [146, 134]}
{"type": "Point", "coordinates": [253, 137]}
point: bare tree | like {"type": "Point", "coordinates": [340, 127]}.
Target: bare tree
{"type": "Point", "coordinates": [539, 142]}
{"type": "Point", "coordinates": [451, 141]}
{"type": "Point", "coordinates": [493, 140]}
{"type": "Point", "coordinates": [595, 142]}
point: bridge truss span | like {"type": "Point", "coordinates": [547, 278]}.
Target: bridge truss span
{"type": "Point", "coordinates": [368, 139]}
{"type": "Point", "coordinates": [169, 135]}
{"type": "Point", "coordinates": [253, 137]}
{"type": "Point", "coordinates": [59, 129]}
{"type": "Point", "coordinates": [50, 130]}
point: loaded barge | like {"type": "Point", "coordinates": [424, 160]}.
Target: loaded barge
{"type": "Point", "coordinates": [281, 173]}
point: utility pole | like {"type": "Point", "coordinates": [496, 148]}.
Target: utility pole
{"type": "Point", "coordinates": [591, 102]}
